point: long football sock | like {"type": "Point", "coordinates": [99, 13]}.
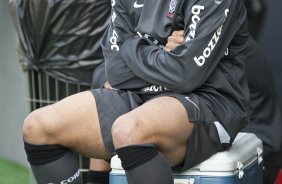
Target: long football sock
{"type": "Point", "coordinates": [145, 164]}
{"type": "Point", "coordinates": [53, 164]}
{"type": "Point", "coordinates": [97, 177]}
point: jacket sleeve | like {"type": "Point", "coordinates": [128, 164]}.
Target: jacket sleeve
{"type": "Point", "coordinates": [209, 28]}
{"type": "Point", "coordinates": [118, 74]}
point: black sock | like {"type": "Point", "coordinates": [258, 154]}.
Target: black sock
{"type": "Point", "coordinates": [53, 164]}
{"type": "Point", "coordinates": [145, 164]}
{"type": "Point", "coordinates": [97, 177]}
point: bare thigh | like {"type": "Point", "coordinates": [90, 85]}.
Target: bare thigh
{"type": "Point", "coordinates": [73, 123]}
{"type": "Point", "coordinates": [162, 121]}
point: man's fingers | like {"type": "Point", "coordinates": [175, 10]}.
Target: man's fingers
{"type": "Point", "coordinates": [107, 85]}
{"type": "Point", "coordinates": [167, 49]}
{"type": "Point", "coordinates": [176, 39]}
{"type": "Point", "coordinates": [178, 33]}
{"type": "Point", "coordinates": [170, 46]}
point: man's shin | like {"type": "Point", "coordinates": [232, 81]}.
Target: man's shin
{"type": "Point", "coordinates": [145, 164]}
{"type": "Point", "coordinates": [53, 164]}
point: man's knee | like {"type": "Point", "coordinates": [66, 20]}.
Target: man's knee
{"type": "Point", "coordinates": [35, 128]}
{"type": "Point", "coordinates": [127, 131]}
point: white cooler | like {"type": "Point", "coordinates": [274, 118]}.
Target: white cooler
{"type": "Point", "coordinates": [241, 164]}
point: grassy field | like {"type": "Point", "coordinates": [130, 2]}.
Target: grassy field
{"type": "Point", "coordinates": [12, 173]}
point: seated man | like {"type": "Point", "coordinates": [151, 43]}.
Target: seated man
{"type": "Point", "coordinates": [265, 111]}
{"type": "Point", "coordinates": [168, 110]}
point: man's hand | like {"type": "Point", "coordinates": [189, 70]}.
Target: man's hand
{"type": "Point", "coordinates": [176, 38]}
{"type": "Point", "coordinates": [107, 85]}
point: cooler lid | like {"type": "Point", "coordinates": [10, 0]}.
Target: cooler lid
{"type": "Point", "coordinates": [245, 149]}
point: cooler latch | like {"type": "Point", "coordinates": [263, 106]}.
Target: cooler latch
{"type": "Point", "coordinates": [259, 155]}
{"type": "Point", "coordinates": [240, 168]}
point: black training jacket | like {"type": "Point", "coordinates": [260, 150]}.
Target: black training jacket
{"type": "Point", "coordinates": [210, 63]}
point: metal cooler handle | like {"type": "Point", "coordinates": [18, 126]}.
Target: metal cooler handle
{"type": "Point", "coordinates": [184, 181]}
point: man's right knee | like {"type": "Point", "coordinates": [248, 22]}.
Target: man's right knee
{"type": "Point", "coordinates": [35, 128]}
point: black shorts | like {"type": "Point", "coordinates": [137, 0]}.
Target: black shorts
{"type": "Point", "coordinates": [203, 141]}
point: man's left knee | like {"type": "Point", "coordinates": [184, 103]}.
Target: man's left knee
{"type": "Point", "coordinates": [127, 131]}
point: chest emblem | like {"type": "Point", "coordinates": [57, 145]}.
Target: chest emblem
{"type": "Point", "coordinates": [171, 9]}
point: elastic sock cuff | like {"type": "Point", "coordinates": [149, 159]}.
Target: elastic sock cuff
{"type": "Point", "coordinates": [101, 177]}
{"type": "Point", "coordinates": [135, 155]}
{"type": "Point", "coordinates": [42, 154]}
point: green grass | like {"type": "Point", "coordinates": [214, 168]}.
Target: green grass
{"type": "Point", "coordinates": [12, 173]}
